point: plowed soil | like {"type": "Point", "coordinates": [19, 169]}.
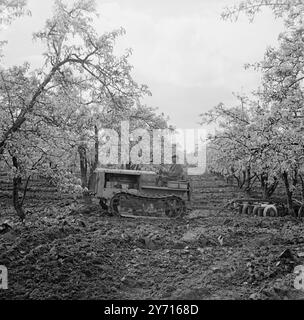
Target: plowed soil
{"type": "Point", "coordinates": [69, 250]}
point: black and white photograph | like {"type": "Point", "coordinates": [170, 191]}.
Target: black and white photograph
{"type": "Point", "coordinates": [151, 151]}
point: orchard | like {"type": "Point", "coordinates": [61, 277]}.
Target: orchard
{"type": "Point", "coordinates": [260, 140]}
{"type": "Point", "coordinates": [239, 234]}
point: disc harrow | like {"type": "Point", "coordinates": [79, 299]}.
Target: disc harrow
{"type": "Point", "coordinates": [256, 208]}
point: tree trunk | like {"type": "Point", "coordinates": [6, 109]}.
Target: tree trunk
{"type": "Point", "coordinates": [264, 186]}
{"type": "Point", "coordinates": [16, 187]}
{"type": "Point", "coordinates": [83, 165]}
{"type": "Point", "coordinates": [268, 189]}
{"type": "Point", "coordinates": [248, 179]}
{"type": "Point", "coordinates": [96, 159]}
{"type": "Point", "coordinates": [289, 194]}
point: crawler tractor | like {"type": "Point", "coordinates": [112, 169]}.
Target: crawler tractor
{"type": "Point", "coordinates": [133, 193]}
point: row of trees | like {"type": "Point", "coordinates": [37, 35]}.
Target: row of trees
{"type": "Point", "coordinates": [261, 138]}
{"type": "Point", "coordinates": [50, 114]}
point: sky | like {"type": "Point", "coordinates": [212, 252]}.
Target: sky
{"type": "Point", "coordinates": [188, 56]}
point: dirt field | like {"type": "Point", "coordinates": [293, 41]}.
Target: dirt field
{"type": "Point", "coordinates": [67, 251]}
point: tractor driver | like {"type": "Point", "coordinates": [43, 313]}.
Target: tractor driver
{"type": "Point", "coordinates": [175, 173]}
